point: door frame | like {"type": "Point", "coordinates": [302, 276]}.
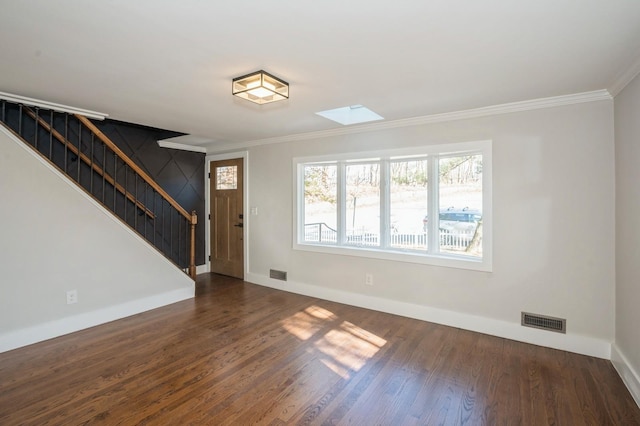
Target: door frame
{"type": "Point", "coordinates": [245, 198]}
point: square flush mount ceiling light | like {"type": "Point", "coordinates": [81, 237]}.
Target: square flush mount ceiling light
{"type": "Point", "coordinates": [353, 114]}
{"type": "Point", "coordinates": [260, 87]}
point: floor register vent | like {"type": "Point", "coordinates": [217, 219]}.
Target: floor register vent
{"type": "Point", "coordinates": [559, 325]}
{"type": "Point", "coordinates": [277, 275]}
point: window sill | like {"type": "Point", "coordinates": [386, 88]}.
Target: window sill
{"type": "Point", "coordinates": [447, 261]}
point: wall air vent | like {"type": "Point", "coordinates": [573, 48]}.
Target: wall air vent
{"type": "Point", "coordinates": [544, 322]}
{"type": "Point", "coordinates": [277, 275]}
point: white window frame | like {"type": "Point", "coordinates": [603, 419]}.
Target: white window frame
{"type": "Point", "coordinates": [433, 256]}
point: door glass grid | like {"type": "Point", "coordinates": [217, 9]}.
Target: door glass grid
{"type": "Point", "coordinates": [226, 177]}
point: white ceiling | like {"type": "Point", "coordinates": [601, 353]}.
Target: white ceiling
{"type": "Point", "coordinates": [169, 64]}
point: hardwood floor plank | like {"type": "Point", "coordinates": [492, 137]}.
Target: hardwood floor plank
{"type": "Point", "coordinates": [393, 387]}
{"type": "Point", "coordinates": [348, 403]}
{"type": "Point", "coordinates": [346, 389]}
{"type": "Point", "coordinates": [241, 354]}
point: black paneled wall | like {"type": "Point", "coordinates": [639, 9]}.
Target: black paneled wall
{"type": "Point", "coordinates": [180, 173]}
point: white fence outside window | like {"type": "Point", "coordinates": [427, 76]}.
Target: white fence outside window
{"type": "Point", "coordinates": [322, 233]}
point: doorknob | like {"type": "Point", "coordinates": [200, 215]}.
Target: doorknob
{"type": "Point", "coordinates": [239, 225]}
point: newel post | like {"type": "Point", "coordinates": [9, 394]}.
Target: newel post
{"type": "Point", "coordinates": [192, 250]}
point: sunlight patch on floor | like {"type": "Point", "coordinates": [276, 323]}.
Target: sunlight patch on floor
{"type": "Point", "coordinates": [345, 346]}
{"type": "Point", "coordinates": [302, 325]}
{"type": "Point", "coordinates": [320, 313]}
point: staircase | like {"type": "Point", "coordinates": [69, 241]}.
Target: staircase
{"type": "Point", "coordinates": [74, 145]}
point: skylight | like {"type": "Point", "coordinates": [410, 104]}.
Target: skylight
{"type": "Point", "coordinates": [353, 114]}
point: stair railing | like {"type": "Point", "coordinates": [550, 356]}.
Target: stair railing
{"type": "Point", "coordinates": [78, 148]}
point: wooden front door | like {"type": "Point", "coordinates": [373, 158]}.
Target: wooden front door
{"type": "Point", "coordinates": [227, 232]}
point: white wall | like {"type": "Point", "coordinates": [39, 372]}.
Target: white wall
{"type": "Point", "coordinates": [54, 238]}
{"type": "Point", "coordinates": [553, 209]}
{"type": "Point", "coordinates": [627, 154]}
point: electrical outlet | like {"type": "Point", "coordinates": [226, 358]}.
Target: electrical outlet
{"type": "Point", "coordinates": [72, 297]}
{"type": "Point", "coordinates": [368, 279]}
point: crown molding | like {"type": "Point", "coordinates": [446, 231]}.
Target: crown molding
{"type": "Point", "coordinates": [625, 77]}
{"type": "Point", "coordinates": [52, 106]}
{"type": "Point", "coordinates": [191, 143]}
{"type": "Point", "coordinates": [551, 102]}
{"type": "Point", "coordinates": [181, 146]}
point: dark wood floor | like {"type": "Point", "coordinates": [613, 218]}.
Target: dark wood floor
{"type": "Point", "coordinates": [241, 354]}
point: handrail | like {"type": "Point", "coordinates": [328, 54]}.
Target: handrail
{"type": "Point", "coordinates": [135, 167]}
{"type": "Point", "coordinates": [88, 161]}
{"type": "Point", "coordinates": [171, 232]}
{"type": "Point", "coordinates": [191, 218]}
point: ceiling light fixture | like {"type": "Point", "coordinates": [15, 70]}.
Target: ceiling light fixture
{"type": "Point", "coordinates": [260, 87]}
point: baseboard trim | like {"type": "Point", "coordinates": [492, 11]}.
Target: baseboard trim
{"type": "Point", "coordinates": [202, 269]}
{"type": "Point", "coordinates": [568, 342]}
{"type": "Point", "coordinates": [38, 333]}
{"type": "Point", "coordinates": [629, 376]}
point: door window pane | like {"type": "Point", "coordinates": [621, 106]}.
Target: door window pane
{"type": "Point", "coordinates": [320, 203]}
{"type": "Point", "coordinates": [460, 218]}
{"type": "Point", "coordinates": [226, 177]}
